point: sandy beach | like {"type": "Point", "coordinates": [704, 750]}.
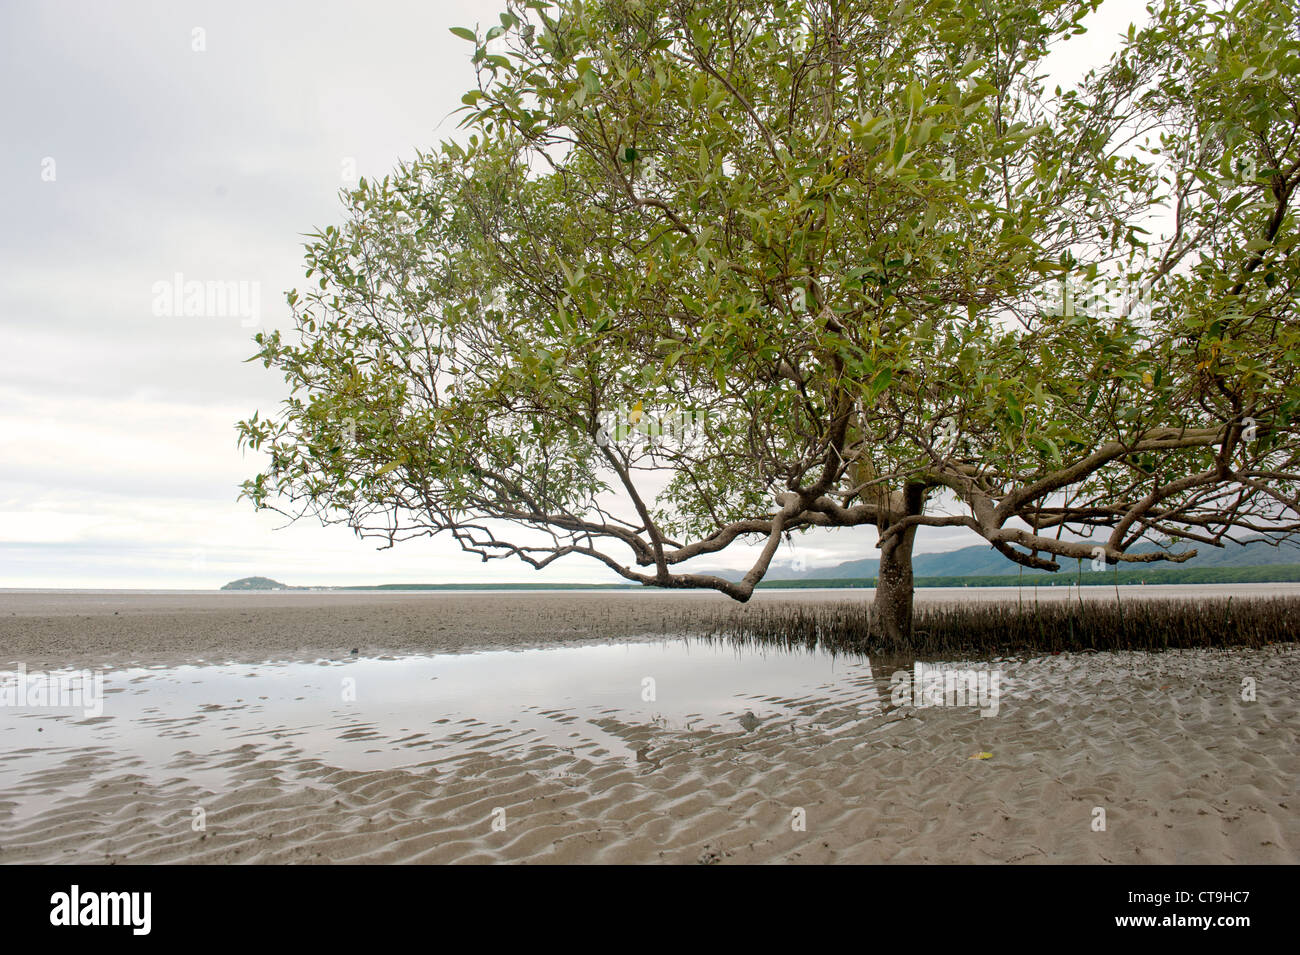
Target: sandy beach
{"type": "Point", "coordinates": [532, 756]}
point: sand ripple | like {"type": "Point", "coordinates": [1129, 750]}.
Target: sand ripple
{"type": "Point", "coordinates": [1186, 771]}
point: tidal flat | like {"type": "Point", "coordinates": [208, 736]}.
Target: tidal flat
{"type": "Point", "coordinates": [587, 728]}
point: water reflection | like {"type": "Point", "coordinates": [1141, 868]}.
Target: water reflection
{"type": "Point", "coordinates": [609, 702]}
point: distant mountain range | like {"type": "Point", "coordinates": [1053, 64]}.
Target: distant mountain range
{"type": "Point", "coordinates": [982, 560]}
{"type": "Point", "coordinates": [970, 566]}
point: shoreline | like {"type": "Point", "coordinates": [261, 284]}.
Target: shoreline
{"type": "Point", "coordinates": [86, 629]}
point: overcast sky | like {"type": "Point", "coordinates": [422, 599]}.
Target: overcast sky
{"type": "Point", "coordinates": [147, 140]}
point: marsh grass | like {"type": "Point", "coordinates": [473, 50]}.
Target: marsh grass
{"type": "Point", "coordinates": [996, 628]}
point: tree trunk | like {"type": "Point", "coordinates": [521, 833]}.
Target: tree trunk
{"type": "Point", "coordinates": [893, 603]}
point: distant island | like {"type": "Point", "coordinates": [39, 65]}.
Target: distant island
{"type": "Point", "coordinates": [258, 583]}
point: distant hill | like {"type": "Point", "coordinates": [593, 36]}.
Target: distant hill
{"type": "Point", "coordinates": [256, 583]}
{"type": "Point", "coordinates": [1273, 573]}
{"type": "Point", "coordinates": [981, 560]}
{"type": "Point", "coordinates": [977, 566]}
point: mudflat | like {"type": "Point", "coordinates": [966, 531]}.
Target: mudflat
{"type": "Point", "coordinates": [242, 728]}
{"type": "Point", "coordinates": [68, 628]}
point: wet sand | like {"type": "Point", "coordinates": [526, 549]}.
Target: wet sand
{"type": "Point", "coordinates": [1185, 769]}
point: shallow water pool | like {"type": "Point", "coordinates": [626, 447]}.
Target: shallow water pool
{"type": "Point", "coordinates": [605, 702]}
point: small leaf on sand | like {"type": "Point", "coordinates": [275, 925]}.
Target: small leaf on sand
{"type": "Point", "coordinates": [982, 756]}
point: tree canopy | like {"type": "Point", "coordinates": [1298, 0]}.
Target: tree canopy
{"type": "Point", "coordinates": [704, 271]}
